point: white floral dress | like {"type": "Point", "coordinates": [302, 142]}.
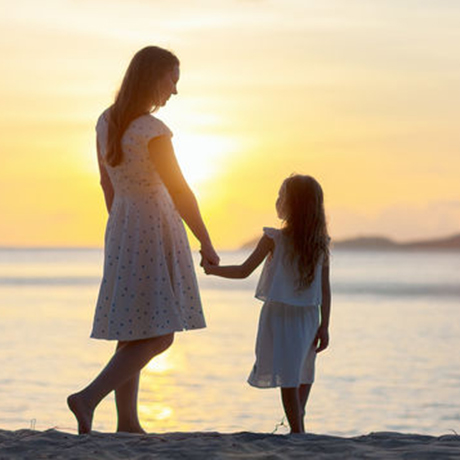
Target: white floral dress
{"type": "Point", "coordinates": [149, 286]}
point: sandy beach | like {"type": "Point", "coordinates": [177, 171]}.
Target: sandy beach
{"type": "Point", "coordinates": [52, 444]}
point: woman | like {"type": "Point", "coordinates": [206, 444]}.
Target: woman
{"type": "Point", "coordinates": [149, 289]}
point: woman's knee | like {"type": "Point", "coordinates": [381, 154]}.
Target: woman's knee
{"type": "Point", "coordinates": [121, 344]}
{"type": "Point", "coordinates": [161, 343]}
{"type": "Point", "coordinates": [168, 340]}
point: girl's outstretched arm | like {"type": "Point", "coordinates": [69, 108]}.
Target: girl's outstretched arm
{"type": "Point", "coordinates": [264, 246]}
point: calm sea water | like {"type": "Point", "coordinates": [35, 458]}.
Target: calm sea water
{"type": "Point", "coordinates": [393, 363]}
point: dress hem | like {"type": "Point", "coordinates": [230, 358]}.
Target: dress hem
{"type": "Point", "coordinates": [274, 385]}
{"type": "Point", "coordinates": [145, 337]}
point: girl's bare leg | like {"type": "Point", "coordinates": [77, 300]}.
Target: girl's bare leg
{"type": "Point", "coordinates": [304, 392]}
{"type": "Point", "coordinates": [291, 404]}
{"type": "Point", "coordinates": [125, 364]}
{"type": "Point", "coordinates": [126, 401]}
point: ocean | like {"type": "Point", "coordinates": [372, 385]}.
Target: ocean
{"type": "Point", "coordinates": [393, 363]}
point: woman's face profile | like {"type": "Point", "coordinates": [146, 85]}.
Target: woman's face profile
{"type": "Point", "coordinates": [168, 85]}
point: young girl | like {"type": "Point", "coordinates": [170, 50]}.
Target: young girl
{"type": "Point", "coordinates": [293, 284]}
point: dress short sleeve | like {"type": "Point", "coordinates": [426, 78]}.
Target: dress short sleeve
{"type": "Point", "coordinates": [99, 123]}
{"type": "Point", "coordinates": [272, 233]}
{"type": "Point", "coordinates": [101, 132]}
{"type": "Point", "coordinates": [155, 128]}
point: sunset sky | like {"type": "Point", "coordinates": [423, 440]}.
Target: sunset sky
{"type": "Point", "coordinates": [362, 94]}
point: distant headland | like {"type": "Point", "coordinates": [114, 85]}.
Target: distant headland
{"type": "Point", "coordinates": [381, 243]}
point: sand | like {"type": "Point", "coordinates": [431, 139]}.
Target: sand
{"type": "Point", "coordinates": [51, 444]}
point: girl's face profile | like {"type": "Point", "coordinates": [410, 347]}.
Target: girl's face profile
{"type": "Point", "coordinates": [168, 85]}
{"type": "Point", "coordinates": [281, 202]}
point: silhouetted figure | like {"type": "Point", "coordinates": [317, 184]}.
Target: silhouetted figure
{"type": "Point", "coordinates": [149, 289]}
{"type": "Point", "coordinates": [293, 285]}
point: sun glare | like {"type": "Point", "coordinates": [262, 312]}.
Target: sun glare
{"type": "Point", "coordinates": [156, 411]}
{"type": "Point", "coordinates": [201, 156]}
{"type": "Point", "coordinates": [161, 364]}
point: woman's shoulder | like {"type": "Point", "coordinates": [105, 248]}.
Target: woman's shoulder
{"type": "Point", "coordinates": [145, 124]}
{"type": "Point", "coordinates": [152, 126]}
{"type": "Point", "coordinates": [103, 119]}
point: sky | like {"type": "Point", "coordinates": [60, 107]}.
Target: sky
{"type": "Point", "coordinates": [364, 95]}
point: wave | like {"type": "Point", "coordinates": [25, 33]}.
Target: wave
{"type": "Point", "coordinates": [339, 288]}
{"type": "Point", "coordinates": [49, 281]}
{"type": "Point", "coordinates": [398, 290]}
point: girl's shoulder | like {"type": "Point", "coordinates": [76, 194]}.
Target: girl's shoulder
{"type": "Point", "coordinates": [273, 233]}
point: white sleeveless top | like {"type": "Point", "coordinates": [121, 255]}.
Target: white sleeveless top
{"type": "Point", "coordinates": [278, 281]}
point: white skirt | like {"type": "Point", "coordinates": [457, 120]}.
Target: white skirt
{"type": "Point", "coordinates": [285, 349]}
{"type": "Point", "coordinates": [149, 287]}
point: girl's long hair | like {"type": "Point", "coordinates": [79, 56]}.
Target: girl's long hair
{"type": "Point", "coordinates": [137, 95]}
{"type": "Point", "coordinates": [304, 225]}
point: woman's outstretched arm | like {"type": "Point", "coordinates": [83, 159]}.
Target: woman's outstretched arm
{"type": "Point", "coordinates": [163, 157]}
{"type": "Point", "coordinates": [264, 246]}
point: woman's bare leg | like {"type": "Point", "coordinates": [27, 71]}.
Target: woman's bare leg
{"type": "Point", "coordinates": [123, 366]}
{"type": "Point", "coordinates": [126, 400]}
{"type": "Point", "coordinates": [291, 404]}
{"type": "Point", "coordinates": [304, 392]}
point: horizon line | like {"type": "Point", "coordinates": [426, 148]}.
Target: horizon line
{"type": "Point", "coordinates": [348, 238]}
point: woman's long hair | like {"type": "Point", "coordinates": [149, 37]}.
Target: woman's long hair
{"type": "Point", "coordinates": [304, 225]}
{"type": "Point", "coordinates": [137, 95]}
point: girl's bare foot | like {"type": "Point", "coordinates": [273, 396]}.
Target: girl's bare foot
{"type": "Point", "coordinates": [82, 412]}
{"type": "Point", "coordinates": [131, 429]}
{"type": "Point", "coordinates": [302, 421]}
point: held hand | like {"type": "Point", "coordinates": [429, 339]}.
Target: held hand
{"type": "Point", "coordinates": [322, 339]}
{"type": "Point", "coordinates": [209, 254]}
{"type": "Point", "coordinates": [208, 268]}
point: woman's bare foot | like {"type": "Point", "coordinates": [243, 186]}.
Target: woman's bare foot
{"type": "Point", "coordinates": [82, 412]}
